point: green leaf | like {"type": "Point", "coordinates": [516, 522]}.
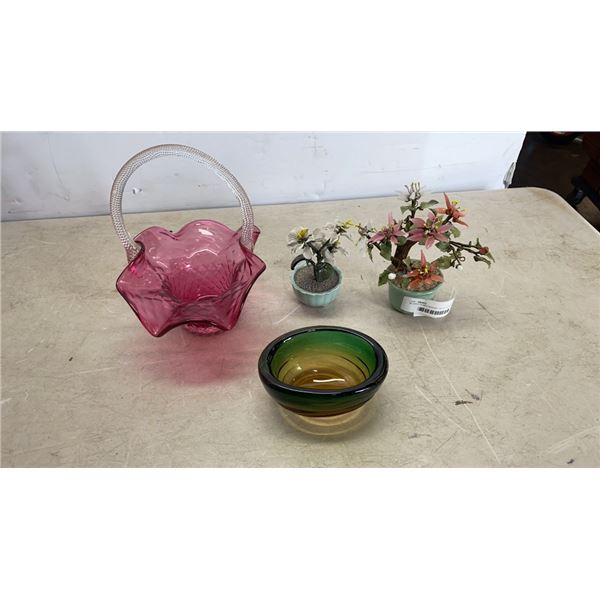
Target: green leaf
{"type": "Point", "coordinates": [403, 209]}
{"type": "Point", "coordinates": [408, 262]}
{"type": "Point", "coordinates": [444, 262]}
{"type": "Point", "coordinates": [296, 261]}
{"type": "Point", "coordinates": [478, 258]}
{"type": "Point", "coordinates": [427, 204]}
{"type": "Point", "coordinates": [370, 251]}
{"type": "Point", "coordinates": [401, 241]}
{"type": "Point", "coordinates": [489, 255]}
{"type": "Point", "coordinates": [455, 231]}
{"type": "Point", "coordinates": [443, 246]}
{"type": "Point", "coordinates": [385, 249]}
{"type": "Point", "coordinates": [383, 277]}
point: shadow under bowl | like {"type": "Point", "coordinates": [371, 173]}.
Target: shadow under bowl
{"type": "Point", "coordinates": [322, 371]}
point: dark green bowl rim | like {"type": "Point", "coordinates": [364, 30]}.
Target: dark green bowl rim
{"type": "Point", "coordinates": [374, 380]}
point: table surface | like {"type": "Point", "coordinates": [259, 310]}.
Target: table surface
{"type": "Point", "coordinates": [509, 378]}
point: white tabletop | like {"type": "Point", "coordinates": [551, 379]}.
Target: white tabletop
{"type": "Point", "coordinates": [509, 378]}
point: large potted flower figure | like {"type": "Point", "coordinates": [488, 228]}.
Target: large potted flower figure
{"type": "Point", "coordinates": [315, 279]}
{"type": "Point", "coordinates": [423, 225]}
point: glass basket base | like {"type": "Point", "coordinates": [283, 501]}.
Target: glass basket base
{"type": "Point", "coordinates": [202, 328]}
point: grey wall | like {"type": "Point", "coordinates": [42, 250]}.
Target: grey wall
{"type": "Point", "coordinates": [69, 174]}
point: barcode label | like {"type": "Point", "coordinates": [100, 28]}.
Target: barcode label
{"type": "Point", "coordinates": [434, 309]}
{"type": "Point", "coordinates": [433, 313]}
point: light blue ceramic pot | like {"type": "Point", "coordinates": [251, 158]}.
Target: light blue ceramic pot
{"type": "Point", "coordinates": [315, 298]}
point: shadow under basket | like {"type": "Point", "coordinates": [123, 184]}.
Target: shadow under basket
{"type": "Point", "coordinates": [322, 371]}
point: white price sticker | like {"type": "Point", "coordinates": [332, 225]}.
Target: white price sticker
{"type": "Point", "coordinates": [435, 309]}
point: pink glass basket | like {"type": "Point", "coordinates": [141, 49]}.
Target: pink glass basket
{"type": "Point", "coordinates": [200, 275]}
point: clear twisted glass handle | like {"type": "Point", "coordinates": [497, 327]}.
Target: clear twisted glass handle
{"type": "Point", "coordinates": [116, 194]}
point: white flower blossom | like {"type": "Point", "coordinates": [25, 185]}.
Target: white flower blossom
{"type": "Point", "coordinates": [298, 237]}
{"type": "Point", "coordinates": [363, 237]}
{"type": "Point", "coordinates": [308, 252]}
{"type": "Point", "coordinates": [321, 244]}
{"type": "Point", "coordinates": [319, 235]}
{"type": "Point", "coordinates": [362, 244]}
{"type": "Point", "coordinates": [328, 256]}
{"type": "Point", "coordinates": [413, 191]}
{"type": "Point", "coordinates": [341, 227]}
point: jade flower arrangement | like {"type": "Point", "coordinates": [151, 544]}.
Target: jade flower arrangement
{"type": "Point", "coordinates": [424, 224]}
{"type": "Point", "coordinates": [315, 278]}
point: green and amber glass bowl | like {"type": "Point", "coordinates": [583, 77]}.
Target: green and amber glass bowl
{"type": "Point", "coordinates": [322, 371]}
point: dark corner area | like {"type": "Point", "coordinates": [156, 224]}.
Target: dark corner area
{"type": "Point", "coordinates": [567, 163]}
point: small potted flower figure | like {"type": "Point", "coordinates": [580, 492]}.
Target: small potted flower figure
{"type": "Point", "coordinates": [315, 279]}
{"type": "Point", "coordinates": [424, 226]}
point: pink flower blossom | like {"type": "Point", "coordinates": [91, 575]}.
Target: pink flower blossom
{"type": "Point", "coordinates": [392, 232]}
{"type": "Point", "coordinates": [425, 276]}
{"type": "Point", "coordinates": [428, 230]}
{"type": "Point", "coordinates": [452, 210]}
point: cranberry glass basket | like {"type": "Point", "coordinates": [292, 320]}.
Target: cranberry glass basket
{"type": "Point", "coordinates": [200, 275]}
